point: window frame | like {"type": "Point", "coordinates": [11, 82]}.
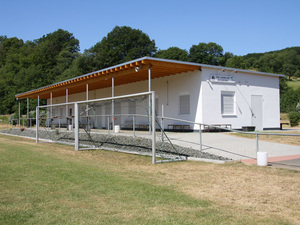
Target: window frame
{"type": "Point", "coordinates": [183, 112]}
{"type": "Point", "coordinates": [233, 103]}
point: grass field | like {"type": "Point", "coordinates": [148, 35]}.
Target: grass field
{"type": "Point", "coordinates": [294, 83]}
{"type": "Point", "coordinates": [53, 184]}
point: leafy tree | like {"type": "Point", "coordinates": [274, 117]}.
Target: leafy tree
{"type": "Point", "coordinates": [289, 69]}
{"type": "Point", "coordinates": [120, 45]}
{"type": "Point", "coordinates": [210, 53]}
{"type": "Point", "coordinates": [25, 66]}
{"type": "Point", "coordinates": [173, 53]}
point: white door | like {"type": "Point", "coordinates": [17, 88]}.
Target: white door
{"type": "Point", "coordinates": [257, 112]}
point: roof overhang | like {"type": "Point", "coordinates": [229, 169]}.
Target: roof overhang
{"type": "Point", "coordinates": [123, 73]}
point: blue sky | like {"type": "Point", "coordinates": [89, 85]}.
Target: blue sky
{"type": "Point", "coordinates": [239, 26]}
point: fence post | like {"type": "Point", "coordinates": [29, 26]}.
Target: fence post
{"type": "Point", "coordinates": [153, 129]}
{"type": "Point", "coordinates": [200, 132]}
{"type": "Point", "coordinates": [133, 125]}
{"type": "Point", "coordinates": [162, 123]}
{"type": "Point", "coordinates": [257, 147]}
{"type": "Point", "coordinates": [37, 125]}
{"type": "Point", "coordinates": [108, 124]}
{"type": "Point", "coordinates": [76, 127]}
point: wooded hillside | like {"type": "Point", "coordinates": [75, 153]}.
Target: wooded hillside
{"type": "Point", "coordinates": [55, 57]}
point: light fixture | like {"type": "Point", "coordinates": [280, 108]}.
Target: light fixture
{"type": "Point", "coordinates": [138, 68]}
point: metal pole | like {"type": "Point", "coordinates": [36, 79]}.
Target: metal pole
{"type": "Point", "coordinates": [113, 102]}
{"type": "Point", "coordinates": [27, 108]}
{"type": "Point", "coordinates": [76, 127]}
{"type": "Point", "coordinates": [51, 101]}
{"type": "Point", "coordinates": [149, 89]}
{"type": "Point", "coordinates": [257, 148]}
{"type": "Point", "coordinates": [37, 125]}
{"type": "Point", "coordinates": [67, 105]}
{"type": "Point", "coordinates": [87, 106]}
{"type": "Point", "coordinates": [108, 124]}
{"type": "Point", "coordinates": [133, 125]}
{"type": "Point", "coordinates": [19, 113]}
{"type": "Point", "coordinates": [200, 132]}
{"type": "Point", "coordinates": [153, 129]}
{"type": "Point", "coordinates": [162, 123]}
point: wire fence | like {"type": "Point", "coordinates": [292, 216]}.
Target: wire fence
{"type": "Point", "coordinates": [205, 138]}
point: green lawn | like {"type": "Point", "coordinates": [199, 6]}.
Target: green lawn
{"type": "Point", "coordinates": [52, 184]}
{"type": "Point", "coordinates": [294, 83]}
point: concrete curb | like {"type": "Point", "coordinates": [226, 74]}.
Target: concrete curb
{"type": "Point", "coordinates": [208, 160]}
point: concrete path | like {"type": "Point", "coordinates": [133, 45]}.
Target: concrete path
{"type": "Point", "coordinates": [230, 146]}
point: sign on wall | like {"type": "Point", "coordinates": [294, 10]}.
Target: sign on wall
{"type": "Point", "coordinates": [222, 78]}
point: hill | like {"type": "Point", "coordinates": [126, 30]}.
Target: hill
{"type": "Point", "coordinates": [285, 61]}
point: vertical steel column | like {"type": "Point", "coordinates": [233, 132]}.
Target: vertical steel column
{"type": "Point", "coordinates": [200, 132]}
{"type": "Point", "coordinates": [27, 108]}
{"type": "Point", "coordinates": [133, 125]}
{"type": "Point", "coordinates": [149, 89]}
{"type": "Point", "coordinates": [51, 105]}
{"type": "Point", "coordinates": [19, 113]}
{"type": "Point", "coordinates": [67, 108]}
{"type": "Point", "coordinates": [87, 106]}
{"type": "Point", "coordinates": [257, 148]}
{"type": "Point", "coordinates": [37, 124]}
{"type": "Point", "coordinates": [67, 101]}
{"type": "Point", "coordinates": [153, 129]}
{"type": "Point", "coordinates": [113, 103]}
{"type": "Point", "coordinates": [38, 100]}
{"type": "Point", "coordinates": [76, 126]}
{"type": "Point", "coordinates": [162, 123]}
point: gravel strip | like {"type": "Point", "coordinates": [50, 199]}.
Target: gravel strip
{"type": "Point", "coordinates": [118, 143]}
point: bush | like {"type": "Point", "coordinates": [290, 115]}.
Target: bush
{"type": "Point", "coordinates": [298, 107]}
{"type": "Point", "coordinates": [294, 118]}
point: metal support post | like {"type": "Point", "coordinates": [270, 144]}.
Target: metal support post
{"type": "Point", "coordinates": [153, 129]}
{"type": "Point", "coordinates": [257, 147]}
{"type": "Point", "coordinates": [37, 125]}
{"type": "Point", "coordinates": [76, 127]}
{"type": "Point", "coordinates": [19, 113]}
{"type": "Point", "coordinates": [133, 125]}
{"type": "Point", "coordinates": [149, 89]}
{"type": "Point", "coordinates": [108, 124]}
{"type": "Point", "coordinates": [162, 123]}
{"type": "Point", "coordinates": [113, 102]}
{"type": "Point", "coordinates": [27, 108]}
{"type": "Point", "coordinates": [200, 132]}
{"type": "Point", "coordinates": [51, 110]}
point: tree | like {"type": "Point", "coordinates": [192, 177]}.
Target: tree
{"type": "Point", "coordinates": [120, 45]}
{"type": "Point", "coordinates": [289, 70]}
{"type": "Point", "coordinates": [25, 66]}
{"type": "Point", "coordinates": [210, 53]}
{"type": "Point", "coordinates": [174, 53]}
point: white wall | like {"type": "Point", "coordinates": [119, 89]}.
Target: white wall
{"type": "Point", "coordinates": [267, 86]}
{"type": "Point", "coordinates": [205, 97]}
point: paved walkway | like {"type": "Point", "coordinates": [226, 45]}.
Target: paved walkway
{"type": "Point", "coordinates": [232, 147]}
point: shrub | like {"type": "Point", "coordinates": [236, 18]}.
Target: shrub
{"type": "Point", "coordinates": [294, 118]}
{"type": "Point", "coordinates": [298, 107]}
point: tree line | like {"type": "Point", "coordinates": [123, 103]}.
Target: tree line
{"type": "Point", "coordinates": [55, 57]}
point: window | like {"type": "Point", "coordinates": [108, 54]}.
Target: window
{"type": "Point", "coordinates": [184, 104]}
{"type": "Point", "coordinates": [227, 103]}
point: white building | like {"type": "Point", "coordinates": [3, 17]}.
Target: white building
{"type": "Point", "coordinates": [189, 91]}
